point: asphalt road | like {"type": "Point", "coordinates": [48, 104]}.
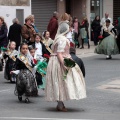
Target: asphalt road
{"type": "Point", "coordinates": [100, 104]}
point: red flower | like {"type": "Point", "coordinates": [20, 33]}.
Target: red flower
{"type": "Point", "coordinates": [46, 56]}
{"type": "Point", "coordinates": [72, 44]}
{"type": "Point", "coordinates": [35, 61]}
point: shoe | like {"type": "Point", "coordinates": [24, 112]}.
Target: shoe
{"type": "Point", "coordinates": [61, 109]}
{"type": "Point", "coordinates": [20, 98]}
{"type": "Point", "coordinates": [108, 57]}
{"type": "Point", "coordinates": [81, 47]}
{"type": "Point", "coordinates": [27, 100]}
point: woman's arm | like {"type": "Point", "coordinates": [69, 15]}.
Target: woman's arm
{"type": "Point", "coordinates": [60, 58]}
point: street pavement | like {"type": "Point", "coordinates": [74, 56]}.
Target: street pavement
{"type": "Point", "coordinates": [102, 102]}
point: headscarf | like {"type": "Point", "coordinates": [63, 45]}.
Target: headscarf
{"type": "Point", "coordinates": [63, 29]}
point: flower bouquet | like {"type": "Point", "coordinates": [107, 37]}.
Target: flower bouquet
{"type": "Point", "coordinates": [41, 66]}
{"type": "Point", "coordinates": [3, 49]}
{"type": "Point", "coordinates": [69, 63]}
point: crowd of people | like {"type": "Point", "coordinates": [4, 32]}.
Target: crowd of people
{"type": "Point", "coordinates": [47, 61]}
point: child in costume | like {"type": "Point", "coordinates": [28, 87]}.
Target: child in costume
{"type": "Point", "coordinates": [38, 75]}
{"type": "Point", "coordinates": [39, 47]}
{"type": "Point", "coordinates": [47, 40]}
{"type": "Point", "coordinates": [25, 80]}
{"type": "Point", "coordinates": [10, 54]}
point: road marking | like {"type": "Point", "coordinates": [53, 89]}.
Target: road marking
{"type": "Point", "coordinates": [26, 118]}
{"type": "Point", "coordinates": [4, 90]}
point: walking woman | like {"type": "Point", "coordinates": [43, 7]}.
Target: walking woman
{"type": "Point", "coordinates": [58, 87]}
{"type": "Point", "coordinates": [3, 34]}
{"type": "Point", "coordinates": [108, 45]}
{"type": "Point", "coordinates": [25, 81]}
{"type": "Point", "coordinates": [84, 32]}
{"type": "Point", "coordinates": [96, 29]}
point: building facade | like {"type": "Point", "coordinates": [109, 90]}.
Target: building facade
{"type": "Point", "coordinates": [11, 9]}
{"type": "Point", "coordinates": [43, 9]}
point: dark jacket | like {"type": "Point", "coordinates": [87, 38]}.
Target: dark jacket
{"type": "Point", "coordinates": [28, 33]}
{"type": "Point", "coordinates": [15, 33]}
{"type": "Point", "coordinates": [44, 50]}
{"type": "Point", "coordinates": [52, 27]}
{"type": "Point", "coordinates": [79, 62]}
{"type": "Point", "coordinates": [3, 36]}
{"type": "Point", "coordinates": [96, 26]}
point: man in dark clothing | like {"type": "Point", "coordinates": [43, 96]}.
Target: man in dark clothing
{"type": "Point", "coordinates": [15, 32]}
{"type": "Point", "coordinates": [77, 60]}
{"type": "Point", "coordinates": [53, 25]}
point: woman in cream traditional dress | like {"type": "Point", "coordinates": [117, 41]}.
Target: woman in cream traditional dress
{"type": "Point", "coordinates": [57, 88]}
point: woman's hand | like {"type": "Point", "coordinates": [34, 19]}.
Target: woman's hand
{"type": "Point", "coordinates": [65, 68]}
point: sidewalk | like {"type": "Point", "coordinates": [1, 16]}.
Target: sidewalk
{"type": "Point", "coordinates": [85, 52]}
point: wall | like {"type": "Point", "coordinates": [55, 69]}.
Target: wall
{"type": "Point", "coordinates": [9, 12]}
{"type": "Point", "coordinates": [108, 7]}
{"type": "Point", "coordinates": [78, 9]}
{"type": "Point", "coordinates": [61, 6]}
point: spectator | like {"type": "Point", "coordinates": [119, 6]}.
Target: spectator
{"type": "Point", "coordinates": [65, 17]}
{"type": "Point", "coordinates": [33, 23]}
{"type": "Point", "coordinates": [117, 24]}
{"type": "Point", "coordinates": [53, 25]}
{"type": "Point", "coordinates": [3, 33]}
{"type": "Point", "coordinates": [28, 32]}
{"type": "Point", "coordinates": [15, 32]}
{"type": "Point", "coordinates": [76, 59]}
{"type": "Point", "coordinates": [84, 32]}
{"type": "Point", "coordinates": [96, 29]}
{"type": "Point", "coordinates": [103, 21]}
{"type": "Point", "coordinates": [76, 26]}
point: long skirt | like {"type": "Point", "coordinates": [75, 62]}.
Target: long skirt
{"type": "Point", "coordinates": [26, 84]}
{"type": "Point", "coordinates": [60, 89]}
{"type": "Point", "coordinates": [108, 46]}
{"type": "Point", "coordinates": [83, 33]}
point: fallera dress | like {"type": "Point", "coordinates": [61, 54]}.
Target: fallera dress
{"type": "Point", "coordinates": [58, 88]}
{"type": "Point", "coordinates": [108, 46]}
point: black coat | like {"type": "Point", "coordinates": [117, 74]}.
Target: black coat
{"type": "Point", "coordinates": [86, 26]}
{"type": "Point", "coordinates": [96, 26]}
{"type": "Point", "coordinates": [3, 36]}
{"type": "Point", "coordinates": [79, 62]}
{"type": "Point", "coordinates": [15, 33]}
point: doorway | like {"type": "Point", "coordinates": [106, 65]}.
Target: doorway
{"type": "Point", "coordinates": [20, 15]}
{"type": "Point", "coordinates": [68, 6]}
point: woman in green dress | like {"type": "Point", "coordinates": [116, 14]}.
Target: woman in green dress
{"type": "Point", "coordinates": [108, 45]}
